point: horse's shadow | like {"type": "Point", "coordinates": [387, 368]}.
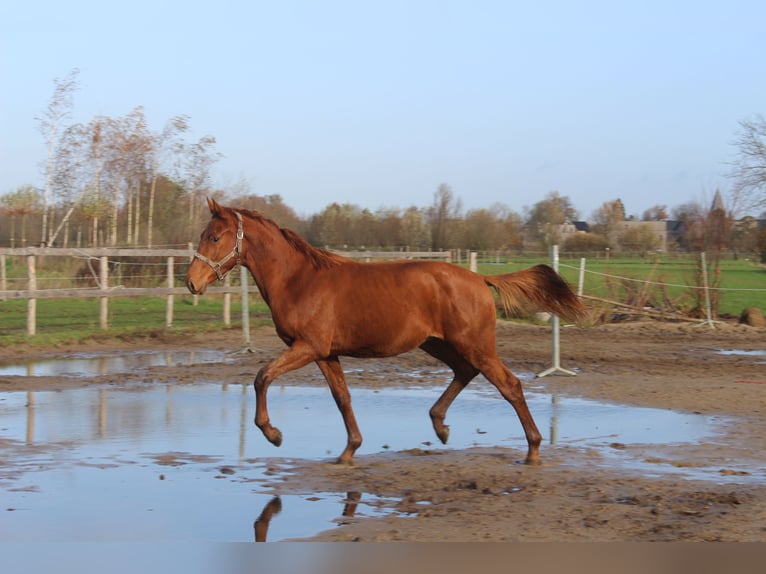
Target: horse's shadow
{"type": "Point", "coordinates": [274, 507]}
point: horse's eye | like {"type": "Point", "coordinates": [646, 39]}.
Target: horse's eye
{"type": "Point", "coordinates": [216, 239]}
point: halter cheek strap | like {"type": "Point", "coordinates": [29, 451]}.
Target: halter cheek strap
{"type": "Point", "coordinates": [217, 266]}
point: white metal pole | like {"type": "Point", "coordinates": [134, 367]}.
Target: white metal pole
{"type": "Point", "coordinates": [169, 299]}
{"type": "Point", "coordinates": [581, 278]}
{"type": "Point", "coordinates": [104, 301]}
{"type": "Point", "coordinates": [556, 347]}
{"type": "Point", "coordinates": [709, 313]}
{"type": "Point", "coordinates": [245, 310]}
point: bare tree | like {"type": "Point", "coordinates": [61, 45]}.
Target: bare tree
{"type": "Point", "coordinates": [162, 145]}
{"type": "Point", "coordinates": [95, 204]}
{"type": "Point", "coordinates": [749, 169]}
{"type": "Point", "coordinates": [415, 234]}
{"type": "Point", "coordinates": [692, 216]}
{"type": "Point", "coordinates": [50, 126]}
{"type": "Point", "coordinates": [655, 213]}
{"type": "Point", "coordinates": [608, 221]}
{"type": "Point", "coordinates": [127, 145]}
{"type": "Point", "coordinates": [494, 228]}
{"type": "Point", "coordinates": [443, 212]}
{"type": "Point", "coordinates": [545, 218]}
{"type": "Point", "coordinates": [198, 159]}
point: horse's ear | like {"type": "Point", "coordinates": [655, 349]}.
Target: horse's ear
{"type": "Point", "coordinates": [215, 209]}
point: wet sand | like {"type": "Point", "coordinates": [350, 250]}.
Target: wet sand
{"type": "Point", "coordinates": [484, 494]}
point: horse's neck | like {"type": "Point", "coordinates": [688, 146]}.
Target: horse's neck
{"type": "Point", "coordinates": [271, 260]}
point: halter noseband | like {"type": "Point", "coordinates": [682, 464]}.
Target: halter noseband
{"type": "Point", "coordinates": [233, 253]}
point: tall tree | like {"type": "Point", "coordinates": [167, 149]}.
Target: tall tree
{"type": "Point", "coordinates": [415, 232]}
{"type": "Point", "coordinates": [749, 168]}
{"type": "Point", "coordinates": [25, 201]}
{"type": "Point", "coordinates": [442, 214]}
{"type": "Point", "coordinates": [50, 124]}
{"type": "Point", "coordinates": [545, 218]}
{"type": "Point", "coordinates": [161, 147]}
{"type": "Point", "coordinates": [692, 216]}
{"type": "Point", "coordinates": [389, 227]}
{"type": "Point", "coordinates": [486, 229]}
{"type": "Point", "coordinates": [334, 226]}
{"type": "Point", "coordinates": [655, 213]}
{"type": "Point", "coordinates": [607, 221]}
{"type": "Point", "coordinates": [197, 160]}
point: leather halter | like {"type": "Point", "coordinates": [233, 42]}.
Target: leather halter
{"type": "Point", "coordinates": [217, 265]}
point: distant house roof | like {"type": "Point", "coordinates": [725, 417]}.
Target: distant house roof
{"type": "Point", "coordinates": [581, 226]}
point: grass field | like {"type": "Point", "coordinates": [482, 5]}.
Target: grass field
{"type": "Point", "coordinates": [669, 280]}
{"type": "Point", "coordinates": [742, 283]}
{"type": "Point", "coordinates": [63, 320]}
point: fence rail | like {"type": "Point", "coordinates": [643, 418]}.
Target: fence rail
{"type": "Point", "coordinates": [104, 292]}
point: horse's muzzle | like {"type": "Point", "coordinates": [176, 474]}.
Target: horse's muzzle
{"type": "Point", "coordinates": [194, 289]}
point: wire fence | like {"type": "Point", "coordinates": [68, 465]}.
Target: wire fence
{"type": "Point", "coordinates": [113, 274]}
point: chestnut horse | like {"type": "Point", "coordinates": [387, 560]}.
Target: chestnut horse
{"type": "Point", "coordinates": [325, 306]}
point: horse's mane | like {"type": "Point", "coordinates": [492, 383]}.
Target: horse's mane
{"type": "Point", "coordinates": [319, 258]}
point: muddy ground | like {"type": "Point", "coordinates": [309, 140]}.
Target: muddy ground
{"type": "Point", "coordinates": [485, 494]}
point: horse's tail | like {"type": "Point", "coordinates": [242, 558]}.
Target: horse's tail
{"type": "Point", "coordinates": [539, 286]}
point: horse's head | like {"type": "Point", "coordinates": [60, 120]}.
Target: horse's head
{"type": "Point", "coordinates": [219, 248]}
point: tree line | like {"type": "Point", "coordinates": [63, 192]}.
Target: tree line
{"type": "Point", "coordinates": [118, 182]}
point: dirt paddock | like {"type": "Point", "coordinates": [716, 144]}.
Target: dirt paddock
{"type": "Point", "coordinates": [484, 494]}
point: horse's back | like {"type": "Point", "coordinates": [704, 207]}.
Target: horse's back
{"type": "Point", "coordinates": [388, 308]}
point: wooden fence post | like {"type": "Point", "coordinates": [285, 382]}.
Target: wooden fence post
{"type": "Point", "coordinates": [32, 302]}
{"type": "Point", "coordinates": [169, 302]}
{"type": "Point", "coordinates": [104, 305]}
{"type": "Point", "coordinates": [3, 277]}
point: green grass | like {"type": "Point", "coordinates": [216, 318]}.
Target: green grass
{"type": "Point", "coordinates": [70, 320]}
{"type": "Point", "coordinates": [742, 282]}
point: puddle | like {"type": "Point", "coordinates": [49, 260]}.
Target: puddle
{"type": "Point", "coordinates": [94, 364]}
{"type": "Point", "coordinates": [184, 462]}
{"type": "Point", "coordinates": [758, 353]}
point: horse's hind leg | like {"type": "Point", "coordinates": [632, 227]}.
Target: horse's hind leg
{"type": "Point", "coordinates": [333, 372]}
{"type": "Point", "coordinates": [464, 373]}
{"type": "Point", "coordinates": [510, 387]}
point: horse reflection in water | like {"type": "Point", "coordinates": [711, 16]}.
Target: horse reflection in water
{"type": "Point", "coordinates": [274, 507]}
{"type": "Point", "coordinates": [261, 524]}
{"type": "Point", "coordinates": [325, 306]}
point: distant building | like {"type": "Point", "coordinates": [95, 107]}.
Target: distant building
{"type": "Point", "coordinates": [570, 228]}
{"type": "Point", "coordinates": [667, 231]}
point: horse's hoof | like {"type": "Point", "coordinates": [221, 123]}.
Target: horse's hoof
{"type": "Point", "coordinates": [443, 434]}
{"type": "Point", "coordinates": [276, 438]}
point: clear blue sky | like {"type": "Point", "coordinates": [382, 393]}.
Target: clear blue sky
{"type": "Point", "coordinates": [377, 103]}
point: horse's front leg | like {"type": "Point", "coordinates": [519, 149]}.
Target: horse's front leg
{"type": "Point", "coordinates": [297, 356]}
{"type": "Point", "coordinates": [333, 372]}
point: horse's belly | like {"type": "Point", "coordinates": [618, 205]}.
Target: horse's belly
{"type": "Point", "coordinates": [379, 338]}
